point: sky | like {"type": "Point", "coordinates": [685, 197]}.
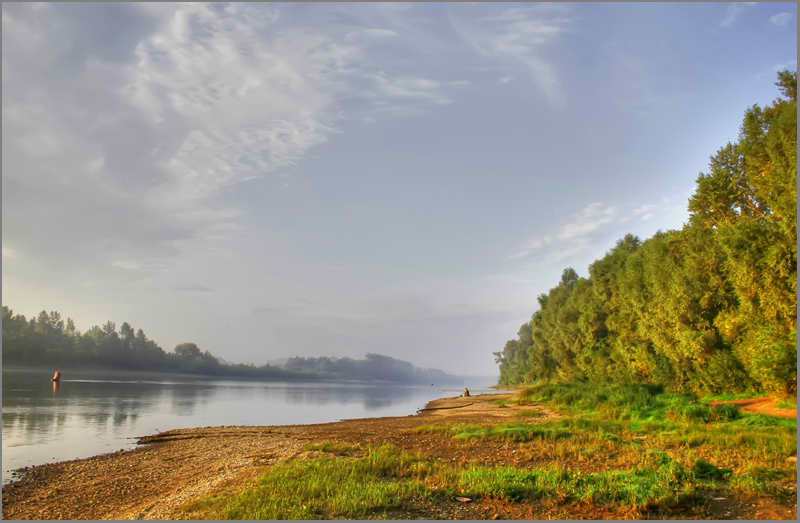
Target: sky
{"type": "Point", "coordinates": [271, 180]}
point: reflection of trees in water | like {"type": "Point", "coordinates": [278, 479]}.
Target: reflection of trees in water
{"type": "Point", "coordinates": [185, 397]}
{"type": "Point", "coordinates": [34, 424]}
{"type": "Point", "coordinates": [32, 405]}
{"type": "Point", "coordinates": [372, 397]}
{"type": "Point", "coordinates": [115, 405]}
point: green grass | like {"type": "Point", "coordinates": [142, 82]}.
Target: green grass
{"type": "Point", "coordinates": [762, 420]}
{"type": "Point", "coordinates": [641, 403]}
{"type": "Point", "coordinates": [665, 484]}
{"type": "Point", "coordinates": [386, 479]}
{"type": "Point", "coordinates": [513, 431]}
{"type": "Point", "coordinates": [788, 403]}
{"type": "Point", "coordinates": [331, 447]}
{"type": "Point", "coordinates": [636, 402]}
{"type": "Point", "coordinates": [444, 429]}
{"type": "Point", "coordinates": [328, 488]}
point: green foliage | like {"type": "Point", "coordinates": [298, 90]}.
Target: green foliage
{"type": "Point", "coordinates": [708, 309]}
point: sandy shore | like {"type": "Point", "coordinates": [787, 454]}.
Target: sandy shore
{"type": "Point", "coordinates": [169, 469]}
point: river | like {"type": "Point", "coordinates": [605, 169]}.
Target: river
{"type": "Point", "coordinates": [94, 412]}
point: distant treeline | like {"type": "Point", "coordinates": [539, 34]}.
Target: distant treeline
{"type": "Point", "coordinates": [50, 341]}
{"type": "Point", "coordinates": [710, 308]}
{"type": "Point", "coordinates": [376, 366]}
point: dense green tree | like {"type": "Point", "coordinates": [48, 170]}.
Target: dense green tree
{"type": "Point", "coordinates": [708, 308]}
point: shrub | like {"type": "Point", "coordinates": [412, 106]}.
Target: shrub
{"type": "Point", "coordinates": [725, 413]}
{"type": "Point", "coordinates": [706, 471]}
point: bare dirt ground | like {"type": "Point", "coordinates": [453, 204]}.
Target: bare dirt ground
{"type": "Point", "coordinates": [158, 479]}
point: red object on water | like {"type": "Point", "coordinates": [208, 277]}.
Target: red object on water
{"type": "Point", "coordinates": [57, 376]}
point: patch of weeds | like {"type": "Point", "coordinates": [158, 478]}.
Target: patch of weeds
{"type": "Point", "coordinates": [207, 507]}
{"type": "Point", "coordinates": [690, 413]}
{"type": "Point", "coordinates": [725, 413]}
{"type": "Point", "coordinates": [611, 437]}
{"type": "Point", "coordinates": [705, 471]}
{"type": "Point", "coordinates": [331, 447]}
{"type": "Point", "coordinates": [387, 479]}
{"type": "Point", "coordinates": [329, 488]}
{"type": "Point", "coordinates": [763, 480]}
{"type": "Point", "coordinates": [513, 432]}
{"type": "Point", "coordinates": [443, 429]}
{"type": "Point", "coordinates": [638, 488]}
{"type": "Point", "coordinates": [762, 420]}
{"type": "Point", "coordinates": [531, 413]}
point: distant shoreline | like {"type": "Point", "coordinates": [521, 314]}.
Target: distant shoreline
{"type": "Point", "coordinates": [277, 379]}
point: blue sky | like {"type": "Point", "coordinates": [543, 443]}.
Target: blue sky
{"type": "Point", "coordinates": [270, 180]}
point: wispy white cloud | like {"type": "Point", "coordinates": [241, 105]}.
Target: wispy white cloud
{"type": "Point", "coordinates": [370, 33]}
{"type": "Point", "coordinates": [591, 218]}
{"type": "Point", "coordinates": [596, 223]}
{"type": "Point", "coordinates": [781, 19]}
{"type": "Point", "coordinates": [733, 10]}
{"type": "Point", "coordinates": [571, 237]}
{"type": "Point", "coordinates": [519, 36]}
{"type": "Point", "coordinates": [196, 99]}
{"type": "Point", "coordinates": [643, 209]}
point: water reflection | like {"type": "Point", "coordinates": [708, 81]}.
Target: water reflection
{"type": "Point", "coordinates": [93, 412]}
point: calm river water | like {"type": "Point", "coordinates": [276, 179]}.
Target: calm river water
{"type": "Point", "coordinates": [96, 412]}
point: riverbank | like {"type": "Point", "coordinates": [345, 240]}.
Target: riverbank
{"type": "Point", "coordinates": [451, 450]}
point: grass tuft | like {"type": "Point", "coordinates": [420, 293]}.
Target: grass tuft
{"type": "Point", "coordinates": [331, 447]}
{"type": "Point", "coordinates": [705, 471]}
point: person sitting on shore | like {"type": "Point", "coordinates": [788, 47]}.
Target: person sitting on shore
{"type": "Point", "coordinates": [465, 394]}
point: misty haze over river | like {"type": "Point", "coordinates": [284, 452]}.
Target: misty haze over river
{"type": "Point", "coordinates": [95, 412]}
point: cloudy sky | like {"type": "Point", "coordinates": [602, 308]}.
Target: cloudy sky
{"type": "Point", "coordinates": [271, 180]}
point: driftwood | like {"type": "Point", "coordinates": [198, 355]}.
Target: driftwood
{"type": "Point", "coordinates": [447, 408]}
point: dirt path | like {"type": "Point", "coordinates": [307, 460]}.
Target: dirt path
{"type": "Point", "coordinates": [155, 480]}
{"type": "Point", "coordinates": [767, 406]}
